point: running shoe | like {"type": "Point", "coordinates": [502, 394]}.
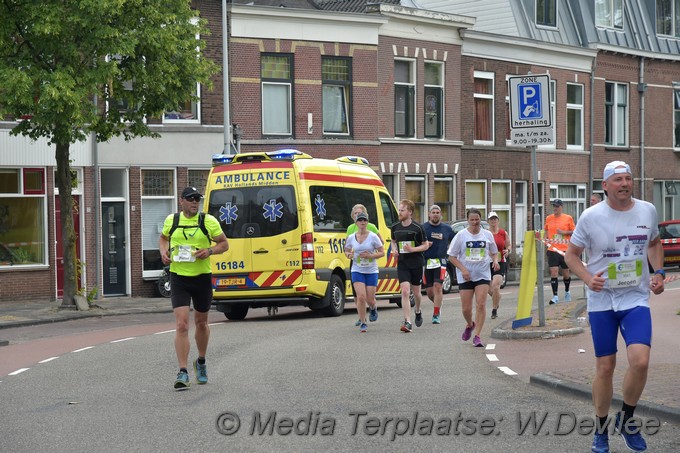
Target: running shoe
{"type": "Point", "coordinates": [600, 443]}
{"type": "Point", "coordinates": [419, 319]}
{"type": "Point", "coordinates": [467, 333]}
{"type": "Point", "coordinates": [494, 313]}
{"type": "Point", "coordinates": [406, 327]}
{"type": "Point", "coordinates": [554, 299]}
{"type": "Point", "coordinates": [358, 323]}
{"type": "Point", "coordinates": [634, 442]}
{"type": "Point", "coordinates": [201, 372]}
{"type": "Point", "coordinates": [477, 342]}
{"type": "Point", "coordinates": [373, 314]}
{"type": "Point", "coordinates": [182, 381]}
{"type": "Point", "coordinates": [436, 320]}
{"type": "Point", "coordinates": [363, 328]}
{"type": "Point", "coordinates": [567, 296]}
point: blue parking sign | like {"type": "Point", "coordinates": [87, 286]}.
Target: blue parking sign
{"type": "Point", "coordinates": [529, 101]}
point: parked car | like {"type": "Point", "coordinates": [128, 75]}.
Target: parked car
{"type": "Point", "coordinates": [450, 280]}
{"type": "Point", "coordinates": [669, 232]}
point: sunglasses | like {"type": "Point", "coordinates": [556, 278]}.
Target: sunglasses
{"type": "Point", "coordinates": [193, 198]}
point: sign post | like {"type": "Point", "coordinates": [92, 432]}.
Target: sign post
{"type": "Point", "coordinates": [531, 124]}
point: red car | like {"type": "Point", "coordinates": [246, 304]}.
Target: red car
{"type": "Point", "coordinates": [669, 231]}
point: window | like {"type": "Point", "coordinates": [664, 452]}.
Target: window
{"type": "Point", "coordinates": [23, 227]}
{"type": "Point", "coordinates": [546, 13]}
{"type": "Point", "coordinates": [574, 116]}
{"type": "Point", "coordinates": [338, 202]}
{"type": "Point", "coordinates": [483, 108]}
{"type": "Point", "coordinates": [404, 98]}
{"type": "Point", "coordinates": [434, 99]}
{"type": "Point", "coordinates": [676, 113]}
{"type": "Point", "coordinates": [573, 196]}
{"type": "Point", "coordinates": [668, 17]}
{"type": "Point", "coordinates": [609, 13]}
{"type": "Point", "coordinates": [443, 196]}
{"type": "Point", "coordinates": [666, 201]}
{"type": "Point", "coordinates": [541, 204]}
{"type": "Point", "coordinates": [501, 202]}
{"type": "Point", "coordinates": [415, 191]}
{"type": "Point", "coordinates": [616, 114]}
{"type": "Point", "coordinates": [158, 201]}
{"type": "Point", "coordinates": [475, 196]}
{"type": "Point", "coordinates": [198, 179]}
{"type": "Point", "coordinates": [277, 85]}
{"type": "Point", "coordinates": [186, 112]}
{"type": "Point", "coordinates": [391, 184]}
{"type": "Point", "coordinates": [336, 78]}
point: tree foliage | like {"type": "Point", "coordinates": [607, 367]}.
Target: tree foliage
{"type": "Point", "coordinates": [67, 65]}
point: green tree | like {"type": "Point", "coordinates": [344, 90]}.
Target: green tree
{"type": "Point", "coordinates": [68, 66]}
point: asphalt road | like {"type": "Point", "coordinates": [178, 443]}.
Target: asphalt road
{"type": "Point", "coordinates": [295, 382]}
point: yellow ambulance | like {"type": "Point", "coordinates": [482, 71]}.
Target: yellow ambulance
{"type": "Point", "coordinates": [285, 215]}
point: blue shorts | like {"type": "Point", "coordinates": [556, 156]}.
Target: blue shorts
{"type": "Point", "coordinates": [366, 279]}
{"type": "Point", "coordinates": [635, 325]}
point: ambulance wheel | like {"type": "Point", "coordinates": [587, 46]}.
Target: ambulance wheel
{"type": "Point", "coordinates": [238, 312]}
{"type": "Point", "coordinates": [334, 300]}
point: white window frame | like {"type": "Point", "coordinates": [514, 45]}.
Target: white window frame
{"type": "Point", "coordinates": [194, 104]}
{"type": "Point", "coordinates": [288, 84]}
{"type": "Point", "coordinates": [423, 195]}
{"type": "Point", "coordinates": [558, 191]}
{"type": "Point", "coordinates": [616, 121]}
{"type": "Point", "coordinates": [578, 107]}
{"type": "Point", "coordinates": [481, 206]}
{"type": "Point", "coordinates": [555, 7]}
{"type": "Point", "coordinates": [492, 77]}
{"type": "Point", "coordinates": [411, 84]}
{"type": "Point", "coordinates": [674, 6]}
{"type": "Point", "coordinates": [676, 118]}
{"type": "Point", "coordinates": [171, 198]}
{"type": "Point", "coordinates": [610, 8]}
{"type": "Point", "coordinates": [441, 115]}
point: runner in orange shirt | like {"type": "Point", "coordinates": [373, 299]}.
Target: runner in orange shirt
{"type": "Point", "coordinates": [558, 227]}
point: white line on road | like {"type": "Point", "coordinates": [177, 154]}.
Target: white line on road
{"type": "Point", "coordinates": [492, 357]}
{"type": "Point", "coordinates": [20, 370]}
{"type": "Point", "coordinates": [48, 360]}
{"type": "Point", "coordinates": [491, 346]}
{"type": "Point", "coordinates": [83, 349]}
{"type": "Point", "coordinates": [123, 339]}
{"type": "Point", "coordinates": [165, 331]}
{"type": "Point", "coordinates": [507, 371]}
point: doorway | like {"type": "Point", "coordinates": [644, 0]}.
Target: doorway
{"type": "Point", "coordinates": [113, 248]}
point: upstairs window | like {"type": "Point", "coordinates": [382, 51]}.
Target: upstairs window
{"type": "Point", "coordinates": [434, 99]}
{"type": "Point", "coordinates": [676, 116]}
{"type": "Point", "coordinates": [336, 78]}
{"type": "Point", "coordinates": [609, 13]}
{"type": "Point", "coordinates": [277, 86]}
{"type": "Point", "coordinates": [546, 13]}
{"type": "Point", "coordinates": [404, 98]}
{"type": "Point", "coordinates": [616, 114]}
{"type": "Point", "coordinates": [668, 17]}
{"type": "Point", "coordinates": [483, 108]}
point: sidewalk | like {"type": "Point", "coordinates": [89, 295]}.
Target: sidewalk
{"type": "Point", "coordinates": [660, 398]}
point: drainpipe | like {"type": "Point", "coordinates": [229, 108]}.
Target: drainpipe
{"type": "Point", "coordinates": [642, 87]}
{"type": "Point", "coordinates": [591, 163]}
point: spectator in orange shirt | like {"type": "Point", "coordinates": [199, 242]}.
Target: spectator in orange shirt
{"type": "Point", "coordinates": [558, 228]}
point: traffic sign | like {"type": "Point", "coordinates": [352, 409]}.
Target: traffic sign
{"type": "Point", "coordinates": [530, 113]}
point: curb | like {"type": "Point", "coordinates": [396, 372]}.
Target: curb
{"type": "Point", "coordinates": [570, 388]}
{"type": "Point", "coordinates": [505, 332]}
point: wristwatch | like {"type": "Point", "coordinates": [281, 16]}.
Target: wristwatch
{"type": "Point", "coordinates": [210, 250]}
{"type": "Point", "coordinates": [661, 272]}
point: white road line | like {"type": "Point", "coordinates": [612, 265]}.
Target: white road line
{"type": "Point", "coordinates": [20, 370]}
{"type": "Point", "coordinates": [492, 357]}
{"type": "Point", "coordinates": [83, 349]}
{"type": "Point", "coordinates": [165, 331]}
{"type": "Point", "coordinates": [491, 346]}
{"type": "Point", "coordinates": [48, 360]}
{"type": "Point", "coordinates": [123, 339]}
{"type": "Point", "coordinates": [507, 371]}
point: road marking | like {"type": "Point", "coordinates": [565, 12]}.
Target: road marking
{"type": "Point", "coordinates": [122, 339]}
{"type": "Point", "coordinates": [491, 346]}
{"type": "Point", "coordinates": [165, 331]}
{"type": "Point", "coordinates": [83, 349]}
{"type": "Point", "coordinates": [492, 357]}
{"type": "Point", "coordinates": [19, 371]}
{"type": "Point", "coordinates": [507, 371]}
{"type": "Point", "coordinates": [48, 360]}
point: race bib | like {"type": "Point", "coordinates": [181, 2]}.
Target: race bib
{"type": "Point", "coordinates": [184, 254]}
{"type": "Point", "coordinates": [433, 263]}
{"type": "Point", "coordinates": [475, 254]}
{"type": "Point", "coordinates": [624, 274]}
{"type": "Point", "coordinates": [363, 262]}
{"type": "Point", "coordinates": [403, 243]}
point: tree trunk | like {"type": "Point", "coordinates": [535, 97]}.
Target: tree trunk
{"type": "Point", "coordinates": [68, 234]}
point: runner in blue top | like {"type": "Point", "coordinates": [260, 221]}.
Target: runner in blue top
{"type": "Point", "coordinates": [439, 235]}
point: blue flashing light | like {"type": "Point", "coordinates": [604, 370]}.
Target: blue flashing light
{"type": "Point", "coordinates": [284, 154]}
{"type": "Point", "coordinates": [221, 159]}
{"type": "Point", "coordinates": [353, 159]}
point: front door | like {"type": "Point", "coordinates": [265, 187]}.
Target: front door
{"type": "Point", "coordinates": [113, 248]}
{"type": "Point", "coordinates": [60, 244]}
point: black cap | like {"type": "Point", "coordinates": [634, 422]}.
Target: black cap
{"type": "Point", "coordinates": [191, 192]}
{"type": "Point", "coordinates": [557, 202]}
{"type": "Point", "coordinates": [361, 216]}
